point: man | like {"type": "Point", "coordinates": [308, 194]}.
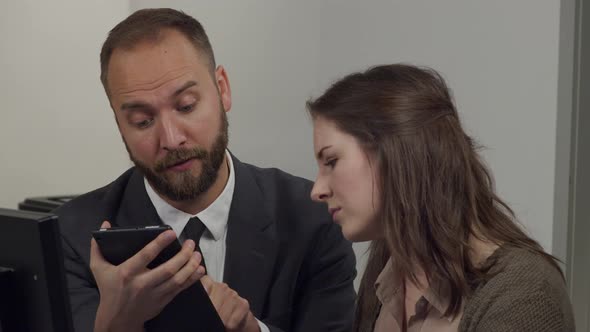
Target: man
{"type": "Point", "coordinates": [274, 260]}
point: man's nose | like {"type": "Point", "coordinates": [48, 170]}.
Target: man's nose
{"type": "Point", "coordinates": [172, 135]}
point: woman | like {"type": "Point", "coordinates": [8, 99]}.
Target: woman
{"type": "Point", "coordinates": [396, 167]}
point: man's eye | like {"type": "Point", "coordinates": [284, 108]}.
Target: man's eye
{"type": "Point", "coordinates": [187, 108]}
{"type": "Point", "coordinates": [144, 124]}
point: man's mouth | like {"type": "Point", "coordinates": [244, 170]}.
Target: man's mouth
{"type": "Point", "coordinates": [182, 165]}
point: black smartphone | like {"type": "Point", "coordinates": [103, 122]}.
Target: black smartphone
{"type": "Point", "coordinates": [118, 244]}
{"type": "Point", "coordinates": [191, 310]}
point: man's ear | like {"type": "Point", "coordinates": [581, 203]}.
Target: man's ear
{"type": "Point", "coordinates": [223, 87]}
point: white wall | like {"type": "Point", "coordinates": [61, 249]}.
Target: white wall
{"type": "Point", "coordinates": [500, 57]}
{"type": "Point", "coordinates": [57, 134]}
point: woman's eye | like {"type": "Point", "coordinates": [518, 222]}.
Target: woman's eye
{"type": "Point", "coordinates": [331, 163]}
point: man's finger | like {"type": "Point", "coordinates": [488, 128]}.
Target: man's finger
{"type": "Point", "coordinates": [226, 309]}
{"type": "Point", "coordinates": [96, 257]}
{"type": "Point", "coordinates": [207, 283]}
{"type": "Point", "coordinates": [188, 275]}
{"type": "Point", "coordinates": [185, 258]}
{"type": "Point", "coordinates": [239, 313]}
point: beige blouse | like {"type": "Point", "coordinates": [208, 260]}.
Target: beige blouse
{"type": "Point", "coordinates": [429, 308]}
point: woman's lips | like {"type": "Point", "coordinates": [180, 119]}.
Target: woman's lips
{"type": "Point", "coordinates": [333, 212]}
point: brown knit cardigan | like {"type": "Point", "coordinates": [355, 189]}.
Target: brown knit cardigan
{"type": "Point", "coordinates": [526, 293]}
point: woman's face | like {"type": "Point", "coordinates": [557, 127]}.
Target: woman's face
{"type": "Point", "coordinates": [346, 181]}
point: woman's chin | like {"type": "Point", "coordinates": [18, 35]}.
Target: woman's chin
{"type": "Point", "coordinates": [357, 233]}
{"type": "Point", "coordinates": [353, 235]}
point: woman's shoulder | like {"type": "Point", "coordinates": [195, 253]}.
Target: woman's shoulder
{"type": "Point", "coordinates": [519, 267]}
{"type": "Point", "coordinates": [525, 292]}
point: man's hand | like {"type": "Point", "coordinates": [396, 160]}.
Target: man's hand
{"type": "Point", "coordinates": [130, 293]}
{"type": "Point", "coordinates": [233, 310]}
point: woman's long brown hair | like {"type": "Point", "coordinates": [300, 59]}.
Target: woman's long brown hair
{"type": "Point", "coordinates": [435, 191]}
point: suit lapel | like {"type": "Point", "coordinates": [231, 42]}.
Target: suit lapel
{"type": "Point", "coordinates": [136, 209]}
{"type": "Point", "coordinates": [251, 236]}
{"type": "Point", "coordinates": [251, 241]}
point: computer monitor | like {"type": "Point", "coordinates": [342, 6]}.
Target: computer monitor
{"type": "Point", "coordinates": [33, 288]}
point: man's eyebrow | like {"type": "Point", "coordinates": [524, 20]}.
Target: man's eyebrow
{"type": "Point", "coordinates": [134, 104]}
{"type": "Point", "coordinates": [185, 86]}
{"type": "Point", "coordinates": [320, 153]}
{"type": "Point", "coordinates": [139, 104]}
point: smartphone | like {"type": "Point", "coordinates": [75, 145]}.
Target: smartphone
{"type": "Point", "coordinates": [191, 310]}
{"type": "Point", "coordinates": [118, 244]}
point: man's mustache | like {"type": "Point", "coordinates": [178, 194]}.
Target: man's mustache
{"type": "Point", "coordinates": [178, 156]}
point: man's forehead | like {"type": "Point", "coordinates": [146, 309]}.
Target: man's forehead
{"type": "Point", "coordinates": [164, 78]}
{"type": "Point", "coordinates": [168, 81]}
{"type": "Point", "coordinates": [151, 61]}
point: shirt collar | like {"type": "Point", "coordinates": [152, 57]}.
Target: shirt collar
{"type": "Point", "coordinates": [438, 296]}
{"type": "Point", "coordinates": [388, 288]}
{"type": "Point", "coordinates": [389, 291]}
{"type": "Point", "coordinates": [214, 217]}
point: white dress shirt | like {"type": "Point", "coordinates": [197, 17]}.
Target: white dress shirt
{"type": "Point", "coordinates": [214, 217]}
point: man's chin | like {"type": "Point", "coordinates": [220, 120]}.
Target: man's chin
{"type": "Point", "coordinates": [179, 180]}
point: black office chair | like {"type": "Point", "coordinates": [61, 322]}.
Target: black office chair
{"type": "Point", "coordinates": [43, 204]}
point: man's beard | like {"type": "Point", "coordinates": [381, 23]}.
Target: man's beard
{"type": "Point", "coordinates": [185, 186]}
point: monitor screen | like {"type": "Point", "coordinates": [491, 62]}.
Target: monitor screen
{"type": "Point", "coordinates": [32, 276]}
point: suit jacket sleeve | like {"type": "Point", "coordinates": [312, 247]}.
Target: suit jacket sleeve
{"type": "Point", "coordinates": [84, 296]}
{"type": "Point", "coordinates": [327, 296]}
{"type": "Point", "coordinates": [78, 218]}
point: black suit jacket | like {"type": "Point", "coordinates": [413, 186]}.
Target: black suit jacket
{"type": "Point", "coordinates": [284, 254]}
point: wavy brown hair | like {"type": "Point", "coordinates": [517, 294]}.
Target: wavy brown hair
{"type": "Point", "coordinates": [435, 191]}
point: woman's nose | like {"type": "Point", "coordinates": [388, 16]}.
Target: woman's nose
{"type": "Point", "coordinates": [320, 191]}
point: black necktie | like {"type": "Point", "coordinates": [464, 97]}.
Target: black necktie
{"type": "Point", "coordinates": [193, 230]}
